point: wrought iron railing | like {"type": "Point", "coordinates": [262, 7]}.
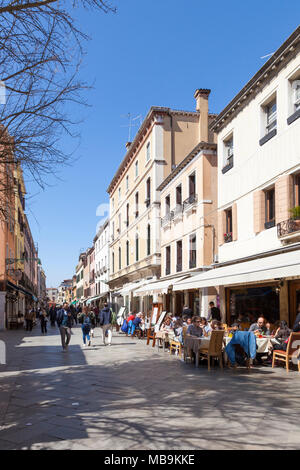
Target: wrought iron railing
{"type": "Point", "coordinates": [192, 199]}
{"type": "Point", "coordinates": [288, 226]}
{"type": "Point", "coordinates": [167, 218]}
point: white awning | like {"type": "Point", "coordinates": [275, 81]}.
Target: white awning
{"type": "Point", "coordinates": [261, 269]}
{"type": "Point", "coordinates": [127, 289]}
{"type": "Point", "coordinates": [158, 287]}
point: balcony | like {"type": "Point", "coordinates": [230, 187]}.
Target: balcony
{"type": "Point", "coordinates": [178, 211]}
{"type": "Point", "coordinates": [228, 237]}
{"type": "Point", "coordinates": [166, 220]}
{"type": "Point", "coordinates": [190, 202]}
{"type": "Point", "coordinates": [289, 230]}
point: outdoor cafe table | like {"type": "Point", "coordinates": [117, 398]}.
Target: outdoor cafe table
{"type": "Point", "coordinates": [164, 336]}
{"type": "Point", "coordinates": [193, 343]}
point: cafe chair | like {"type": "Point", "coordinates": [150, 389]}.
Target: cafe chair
{"type": "Point", "coordinates": [175, 346]}
{"type": "Point", "coordinates": [151, 335]}
{"type": "Point", "coordinates": [293, 347]}
{"type": "Point", "coordinates": [215, 348]}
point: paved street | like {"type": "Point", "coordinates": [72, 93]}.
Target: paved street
{"type": "Point", "coordinates": [129, 396]}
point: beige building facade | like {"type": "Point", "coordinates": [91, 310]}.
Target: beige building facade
{"type": "Point", "coordinates": [164, 140]}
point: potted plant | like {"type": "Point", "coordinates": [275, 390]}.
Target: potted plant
{"type": "Point", "coordinates": [295, 212]}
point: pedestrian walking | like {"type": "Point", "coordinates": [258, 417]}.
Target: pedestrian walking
{"type": "Point", "coordinates": [105, 323]}
{"type": "Point", "coordinates": [86, 326]}
{"type": "Point", "coordinates": [52, 314]}
{"type": "Point", "coordinates": [44, 321]}
{"type": "Point", "coordinates": [29, 317]}
{"type": "Point", "coordinates": [65, 323]}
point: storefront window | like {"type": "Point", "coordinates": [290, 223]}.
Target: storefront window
{"type": "Point", "coordinates": [247, 304]}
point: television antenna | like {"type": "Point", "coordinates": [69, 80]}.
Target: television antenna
{"type": "Point", "coordinates": [132, 123]}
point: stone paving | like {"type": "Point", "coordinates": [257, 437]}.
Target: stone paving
{"type": "Point", "coordinates": [132, 396]}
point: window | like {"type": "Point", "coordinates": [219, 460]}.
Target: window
{"type": "Point", "coordinates": [192, 185]}
{"type": "Point", "coordinates": [167, 204]}
{"type": "Point", "coordinates": [136, 169]}
{"type": "Point", "coordinates": [193, 251]}
{"type": "Point", "coordinates": [127, 253]}
{"type": "Point", "coordinates": [136, 247]}
{"type": "Point", "coordinates": [113, 231]}
{"type": "Point", "coordinates": [127, 183]}
{"type": "Point", "coordinates": [120, 221]}
{"type": "Point", "coordinates": [113, 204]}
{"type": "Point", "coordinates": [228, 219]}
{"type": "Point", "coordinates": [120, 258]}
{"type": "Point", "coordinates": [268, 120]}
{"type": "Point", "coordinates": [148, 192]}
{"type": "Point", "coordinates": [113, 263]}
{"type": "Point", "coordinates": [296, 94]}
{"type": "Point", "coordinates": [136, 205]}
{"type": "Point", "coordinates": [168, 260]}
{"type": "Point", "coordinates": [270, 208]}
{"type": "Point", "coordinates": [127, 215]}
{"type": "Point", "coordinates": [148, 240]}
{"type": "Point", "coordinates": [178, 195]}
{"type": "Point", "coordinates": [119, 195]}
{"type": "Point", "coordinates": [227, 154]}
{"type": "Point", "coordinates": [179, 256]}
{"type": "Point", "coordinates": [271, 116]}
{"type": "Point", "coordinates": [148, 152]}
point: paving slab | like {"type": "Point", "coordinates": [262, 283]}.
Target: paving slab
{"type": "Point", "coordinates": [130, 396]}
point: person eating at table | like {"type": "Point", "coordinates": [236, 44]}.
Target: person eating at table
{"type": "Point", "coordinates": [205, 326]}
{"type": "Point", "coordinates": [259, 326]}
{"type": "Point", "coordinates": [195, 329]}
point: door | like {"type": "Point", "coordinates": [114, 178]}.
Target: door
{"type": "Point", "coordinates": [294, 291]}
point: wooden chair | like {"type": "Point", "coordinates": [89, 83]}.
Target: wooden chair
{"type": "Point", "coordinates": [215, 347]}
{"type": "Point", "coordinates": [175, 346]}
{"type": "Point", "coordinates": [151, 335]}
{"type": "Point", "coordinates": [286, 356]}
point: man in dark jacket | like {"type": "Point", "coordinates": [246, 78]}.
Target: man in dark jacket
{"type": "Point", "coordinates": [65, 323]}
{"type": "Point", "coordinates": [214, 312]}
{"type": "Point", "coordinates": [105, 323]}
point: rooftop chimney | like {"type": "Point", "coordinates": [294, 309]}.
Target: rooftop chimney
{"type": "Point", "coordinates": [201, 95]}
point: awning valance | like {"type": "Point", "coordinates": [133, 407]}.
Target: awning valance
{"type": "Point", "coordinates": [159, 287]}
{"type": "Point", "coordinates": [261, 269]}
{"type": "Point", "coordinates": [132, 287]}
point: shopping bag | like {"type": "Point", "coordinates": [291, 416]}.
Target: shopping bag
{"type": "Point", "coordinates": [124, 327]}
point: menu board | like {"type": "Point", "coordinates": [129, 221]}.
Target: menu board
{"type": "Point", "coordinates": [121, 315]}
{"type": "Point", "coordinates": [160, 320]}
{"type": "Point", "coordinates": [154, 316]}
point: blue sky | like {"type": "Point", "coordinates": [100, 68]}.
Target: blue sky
{"type": "Point", "coordinates": [137, 58]}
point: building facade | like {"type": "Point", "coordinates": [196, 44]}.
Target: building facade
{"type": "Point", "coordinates": [102, 264]}
{"type": "Point", "coordinates": [258, 193]}
{"type": "Point", "coordinates": [162, 142]}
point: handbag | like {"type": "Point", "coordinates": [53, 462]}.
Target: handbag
{"type": "Point", "coordinates": [124, 327]}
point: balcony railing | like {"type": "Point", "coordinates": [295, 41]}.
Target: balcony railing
{"type": "Point", "coordinates": [287, 227]}
{"type": "Point", "coordinates": [167, 218]}
{"type": "Point", "coordinates": [190, 201]}
{"type": "Point", "coordinates": [178, 211]}
{"type": "Point", "coordinates": [228, 237]}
